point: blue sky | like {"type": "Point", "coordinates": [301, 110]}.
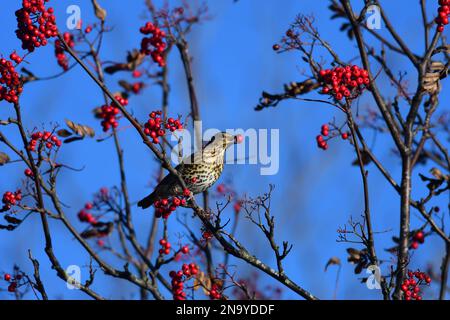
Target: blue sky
{"type": "Point", "coordinates": [315, 191]}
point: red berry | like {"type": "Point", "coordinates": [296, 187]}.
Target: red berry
{"type": "Point", "coordinates": [7, 277]}
{"type": "Point", "coordinates": [185, 249]}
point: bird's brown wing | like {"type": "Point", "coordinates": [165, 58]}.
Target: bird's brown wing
{"type": "Point", "coordinates": [169, 186]}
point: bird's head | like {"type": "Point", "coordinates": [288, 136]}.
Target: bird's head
{"type": "Point", "coordinates": [219, 143]}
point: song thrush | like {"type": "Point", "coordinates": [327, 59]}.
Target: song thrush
{"type": "Point", "coordinates": [199, 171]}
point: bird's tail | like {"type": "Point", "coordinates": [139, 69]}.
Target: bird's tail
{"type": "Point", "coordinates": [147, 201]}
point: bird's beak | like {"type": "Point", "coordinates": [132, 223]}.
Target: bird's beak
{"type": "Point", "coordinates": [238, 138]}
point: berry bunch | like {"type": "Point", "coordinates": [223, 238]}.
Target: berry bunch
{"type": "Point", "coordinates": [43, 138]}
{"type": "Point", "coordinates": [321, 141]}
{"type": "Point", "coordinates": [85, 216]}
{"type": "Point", "coordinates": [10, 84]}
{"type": "Point", "coordinates": [110, 114]}
{"type": "Point", "coordinates": [443, 13]}
{"type": "Point", "coordinates": [10, 199]}
{"type": "Point", "coordinates": [153, 46]}
{"type": "Point", "coordinates": [165, 247]}
{"type": "Point", "coordinates": [15, 57]}
{"type": "Point", "coordinates": [214, 293]}
{"type": "Point", "coordinates": [61, 57]}
{"type": "Point", "coordinates": [417, 238]}
{"type": "Point", "coordinates": [35, 24]}
{"type": "Point", "coordinates": [178, 279]}
{"type": "Point", "coordinates": [155, 126]}
{"type": "Point", "coordinates": [13, 281]}
{"type": "Point", "coordinates": [411, 285]}
{"type": "Point", "coordinates": [324, 136]}
{"type": "Point", "coordinates": [164, 207]}
{"type": "Point", "coordinates": [340, 82]}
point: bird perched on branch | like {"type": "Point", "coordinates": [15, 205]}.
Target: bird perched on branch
{"type": "Point", "coordinates": [199, 171]}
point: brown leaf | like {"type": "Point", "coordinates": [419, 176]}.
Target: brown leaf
{"type": "Point", "coordinates": [126, 85]}
{"type": "Point", "coordinates": [354, 255]}
{"type": "Point", "coordinates": [12, 219]}
{"type": "Point", "coordinates": [202, 281]}
{"type": "Point", "coordinates": [72, 139]}
{"type": "Point", "coordinates": [433, 184]}
{"type": "Point", "coordinates": [333, 261]}
{"type": "Point", "coordinates": [64, 133]}
{"type": "Point", "coordinates": [99, 11]}
{"type": "Point", "coordinates": [134, 59]}
{"type": "Point", "coordinates": [80, 129]}
{"type": "Point", "coordinates": [438, 174]}
{"type": "Point", "coordinates": [4, 158]}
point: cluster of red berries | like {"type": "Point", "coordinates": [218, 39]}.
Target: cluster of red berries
{"type": "Point", "coordinates": [443, 13]}
{"type": "Point", "coordinates": [15, 57]}
{"type": "Point", "coordinates": [29, 173]}
{"type": "Point", "coordinates": [85, 216]}
{"type": "Point", "coordinates": [43, 138]}
{"type": "Point", "coordinates": [411, 285]}
{"type": "Point", "coordinates": [178, 279]}
{"type": "Point", "coordinates": [321, 141]}
{"type": "Point", "coordinates": [10, 84]}
{"type": "Point", "coordinates": [153, 46]}
{"type": "Point", "coordinates": [418, 238]}
{"type": "Point", "coordinates": [35, 24]}
{"type": "Point", "coordinates": [110, 114]}
{"type": "Point", "coordinates": [155, 126]}
{"type": "Point", "coordinates": [164, 207]}
{"type": "Point", "coordinates": [10, 199]}
{"type": "Point", "coordinates": [340, 82]}
{"type": "Point", "coordinates": [13, 281]}
{"type": "Point", "coordinates": [214, 293]}
{"type": "Point", "coordinates": [61, 57]}
{"type": "Point", "coordinates": [324, 136]}
{"type": "Point", "coordinates": [165, 247]}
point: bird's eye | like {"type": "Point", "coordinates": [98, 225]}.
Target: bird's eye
{"type": "Point", "coordinates": [213, 138]}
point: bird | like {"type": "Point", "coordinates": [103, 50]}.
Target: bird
{"type": "Point", "coordinates": [199, 171]}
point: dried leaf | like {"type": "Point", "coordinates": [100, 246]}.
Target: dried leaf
{"type": "Point", "coordinates": [438, 174]}
{"type": "Point", "coordinates": [99, 11]}
{"type": "Point", "coordinates": [354, 255]}
{"type": "Point", "coordinates": [64, 133]}
{"type": "Point", "coordinates": [12, 219]}
{"type": "Point", "coordinates": [433, 184]}
{"type": "Point", "coordinates": [134, 59]}
{"type": "Point", "coordinates": [202, 281]}
{"type": "Point", "coordinates": [69, 140]}
{"type": "Point", "coordinates": [100, 229]}
{"type": "Point", "coordinates": [80, 129]}
{"type": "Point", "coordinates": [4, 158]}
{"type": "Point", "coordinates": [9, 227]}
{"type": "Point", "coordinates": [333, 261]}
{"type": "Point", "coordinates": [126, 85]}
